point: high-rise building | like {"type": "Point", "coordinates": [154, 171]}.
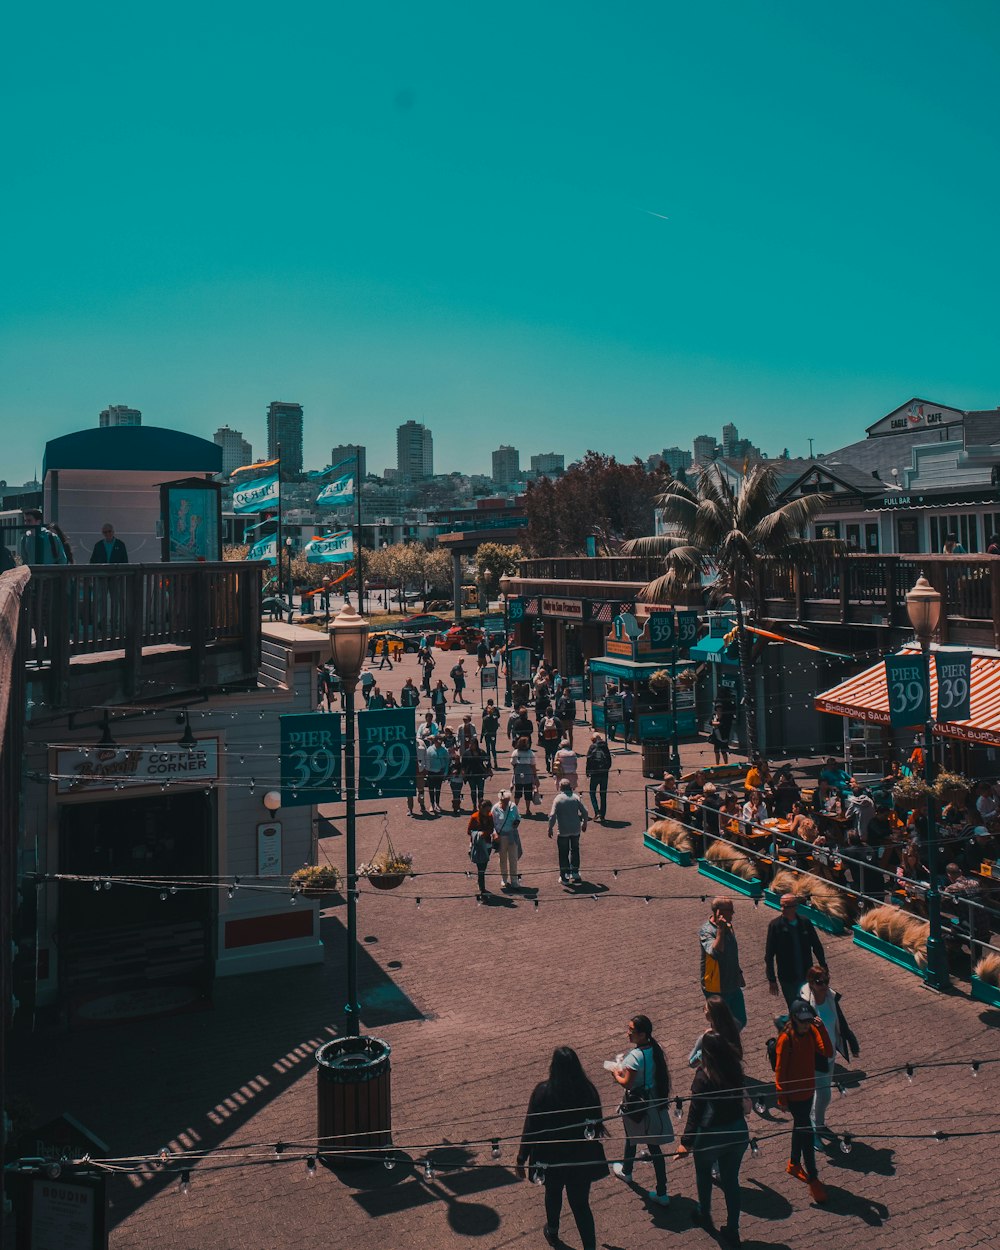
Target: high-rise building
{"type": "Point", "coordinates": [506, 465]}
{"type": "Point", "coordinates": [414, 451]}
{"type": "Point", "coordinates": [119, 414]}
{"type": "Point", "coordinates": [705, 449]}
{"type": "Point", "coordinates": [284, 426]}
{"type": "Point", "coordinates": [348, 451]}
{"type": "Point", "coordinates": [676, 459]}
{"type": "Point", "coordinates": [730, 437]}
{"type": "Point", "coordinates": [548, 464]}
{"type": "Point", "coordinates": [236, 451]}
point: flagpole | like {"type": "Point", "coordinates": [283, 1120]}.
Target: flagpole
{"type": "Point", "coordinates": [357, 531]}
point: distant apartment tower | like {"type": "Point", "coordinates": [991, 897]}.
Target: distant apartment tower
{"type": "Point", "coordinates": [548, 464]}
{"type": "Point", "coordinates": [676, 459]}
{"type": "Point", "coordinates": [284, 426]}
{"type": "Point", "coordinates": [506, 465]}
{"type": "Point", "coordinates": [119, 414]}
{"type": "Point", "coordinates": [705, 449]}
{"type": "Point", "coordinates": [236, 451]}
{"type": "Point", "coordinates": [351, 451]}
{"type": "Point", "coordinates": [414, 451]}
{"type": "Point", "coordinates": [730, 437]}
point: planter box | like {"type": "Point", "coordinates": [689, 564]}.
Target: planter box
{"type": "Point", "coordinates": [739, 885]}
{"type": "Point", "coordinates": [668, 852]}
{"type": "Point", "coordinates": [828, 924]}
{"type": "Point", "coordinates": [983, 992]}
{"type": "Point", "coordinates": [888, 950]}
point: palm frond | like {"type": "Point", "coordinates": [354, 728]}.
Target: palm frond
{"type": "Point", "coordinates": [653, 545]}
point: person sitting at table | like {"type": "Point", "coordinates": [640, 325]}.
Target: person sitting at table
{"type": "Point", "coordinates": [695, 784]}
{"type": "Point", "coordinates": [894, 775]}
{"type": "Point", "coordinates": [758, 775]}
{"type": "Point", "coordinates": [710, 808]}
{"type": "Point", "coordinates": [785, 790]}
{"type": "Point", "coordinates": [827, 800]}
{"type": "Point", "coordinates": [912, 871]}
{"type": "Point", "coordinates": [959, 813]}
{"type": "Point", "coordinates": [835, 775]}
{"type": "Point", "coordinates": [987, 805]}
{"type": "Point", "coordinates": [666, 791]}
{"type": "Point", "coordinates": [860, 809]}
{"type": "Point", "coordinates": [978, 847]}
{"type": "Point", "coordinates": [729, 815]}
{"type": "Point", "coordinates": [915, 763]}
{"type": "Point", "coordinates": [754, 813]}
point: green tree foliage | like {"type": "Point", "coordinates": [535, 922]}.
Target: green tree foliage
{"type": "Point", "coordinates": [600, 496]}
{"type": "Point", "coordinates": [493, 561]}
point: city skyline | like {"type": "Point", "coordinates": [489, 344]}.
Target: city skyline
{"type": "Point", "coordinates": [617, 267]}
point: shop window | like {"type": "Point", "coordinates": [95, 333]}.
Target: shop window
{"type": "Point", "coordinates": [871, 538]}
{"type": "Point", "coordinates": [852, 533]}
{"type": "Point", "coordinates": [964, 525]}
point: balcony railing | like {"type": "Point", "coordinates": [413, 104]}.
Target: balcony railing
{"type": "Point", "coordinates": [119, 613]}
{"type": "Point", "coordinates": [635, 569]}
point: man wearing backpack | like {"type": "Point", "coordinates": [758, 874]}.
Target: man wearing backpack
{"type": "Point", "coordinates": [598, 768]}
{"type": "Point", "coordinates": [551, 733]}
{"type": "Point", "coordinates": [39, 545]}
{"type": "Point", "coordinates": [458, 677]}
{"type": "Point", "coordinates": [566, 712]}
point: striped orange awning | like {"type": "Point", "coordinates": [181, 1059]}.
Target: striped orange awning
{"type": "Point", "coordinates": [864, 697]}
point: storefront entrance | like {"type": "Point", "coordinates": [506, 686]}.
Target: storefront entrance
{"type": "Point", "coordinates": [127, 951]}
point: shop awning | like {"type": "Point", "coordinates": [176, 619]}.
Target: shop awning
{"type": "Point", "coordinates": [864, 697]}
{"type": "Point", "coordinates": [709, 649]}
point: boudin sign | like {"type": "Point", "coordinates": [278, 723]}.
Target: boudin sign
{"type": "Point", "coordinates": [110, 768]}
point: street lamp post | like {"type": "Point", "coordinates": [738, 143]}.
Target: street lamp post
{"type": "Point", "coordinates": [348, 646]}
{"type": "Point", "coordinates": [505, 589]}
{"type": "Point", "coordinates": [327, 582]}
{"type": "Point", "coordinates": [923, 606]}
{"type": "Point", "coordinates": [675, 744]}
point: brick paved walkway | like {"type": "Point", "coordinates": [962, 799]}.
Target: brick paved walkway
{"type": "Point", "coordinates": [473, 999]}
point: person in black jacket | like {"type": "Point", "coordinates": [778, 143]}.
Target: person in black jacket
{"type": "Point", "coordinates": [792, 948]}
{"type": "Point", "coordinates": [562, 1112]}
{"type": "Point", "coordinates": [598, 768]}
{"type": "Point", "coordinates": [108, 549]}
{"type": "Point", "coordinates": [716, 1132]}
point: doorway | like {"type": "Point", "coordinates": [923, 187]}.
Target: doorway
{"type": "Point", "coordinates": [143, 949]}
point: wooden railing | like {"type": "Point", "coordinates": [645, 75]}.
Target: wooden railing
{"type": "Point", "coordinates": [117, 610]}
{"type": "Point", "coordinates": [638, 569]}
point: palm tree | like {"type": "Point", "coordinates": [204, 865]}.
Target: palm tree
{"type": "Point", "coordinates": [730, 533]}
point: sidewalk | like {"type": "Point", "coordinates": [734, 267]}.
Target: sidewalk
{"type": "Point", "coordinates": [472, 1000]}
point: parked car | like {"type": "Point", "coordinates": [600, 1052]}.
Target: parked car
{"type": "Point", "coordinates": [460, 638]}
{"type": "Point", "coordinates": [398, 641]}
{"type": "Point", "coordinates": [423, 623]}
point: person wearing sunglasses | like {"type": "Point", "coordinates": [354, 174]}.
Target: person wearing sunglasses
{"type": "Point", "coordinates": [826, 1003]}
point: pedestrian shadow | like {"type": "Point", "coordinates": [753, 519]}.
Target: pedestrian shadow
{"type": "Point", "coordinates": [844, 1202]}
{"type": "Point", "coordinates": [588, 887]}
{"type": "Point", "coordinates": [496, 900]}
{"type": "Point", "coordinates": [763, 1202]}
{"type": "Point", "coordinates": [991, 1018]}
{"type": "Point", "coordinates": [862, 1158]}
{"type": "Point", "coordinates": [390, 1194]}
{"type": "Point", "coordinates": [617, 824]}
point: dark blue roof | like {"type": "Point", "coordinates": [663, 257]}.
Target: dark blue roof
{"type": "Point", "coordinates": [137, 447]}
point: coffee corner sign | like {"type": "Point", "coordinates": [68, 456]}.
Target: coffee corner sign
{"type": "Point", "coordinates": [568, 609]}
{"type": "Point", "coordinates": [100, 768]}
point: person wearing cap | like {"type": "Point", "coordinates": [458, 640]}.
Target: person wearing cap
{"type": "Point", "coordinates": [598, 768]}
{"type": "Point", "coordinates": [792, 947]}
{"type": "Point", "coordinates": [506, 819]}
{"type": "Point", "coordinates": [569, 816]}
{"type": "Point", "coordinates": [803, 1046]}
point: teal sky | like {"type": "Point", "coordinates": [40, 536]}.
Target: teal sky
{"type": "Point", "coordinates": [445, 212]}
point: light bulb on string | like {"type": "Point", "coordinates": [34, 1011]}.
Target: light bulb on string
{"type": "Point", "coordinates": [495, 1150]}
{"type": "Point", "coordinates": [107, 883]}
{"type": "Point", "coordinates": [173, 889]}
{"type": "Point", "coordinates": [754, 1147]}
{"type": "Point", "coordinates": [846, 1144]}
{"type": "Point", "coordinates": [97, 887]}
{"type": "Point", "coordinates": [279, 1149]}
{"type": "Point", "coordinates": [535, 901]}
{"type": "Point", "coordinates": [538, 1174]}
{"type": "Point", "coordinates": [163, 896]}
{"type": "Point", "coordinates": [388, 1163]}
{"type": "Point", "coordinates": [975, 1067]}
{"type": "Point", "coordinates": [164, 1154]}
{"type": "Point", "coordinates": [760, 1106]}
{"type": "Point", "coordinates": [842, 1089]}
{"type": "Point", "coordinates": [909, 1072]}
{"type": "Point", "coordinates": [418, 900]}
{"type": "Point", "coordinates": [428, 1170]}
{"type": "Point", "coordinates": [940, 1136]}
{"type": "Point", "coordinates": [185, 1181]}
{"type": "Point", "coordinates": [311, 1167]}
{"type": "Point", "coordinates": [646, 900]}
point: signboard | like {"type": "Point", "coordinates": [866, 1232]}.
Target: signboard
{"type": "Point", "coordinates": [515, 610]}
{"type": "Point", "coordinates": [492, 625]}
{"type": "Point", "coordinates": [687, 628]}
{"type": "Point", "coordinates": [954, 684]}
{"type": "Point", "coordinates": [387, 751]}
{"type": "Point", "coordinates": [566, 609]}
{"type": "Point", "coordinates": [576, 687]}
{"type": "Point", "coordinates": [623, 647]}
{"type": "Point", "coordinates": [66, 1212]}
{"type": "Point", "coordinates": [730, 684]}
{"type": "Point", "coordinates": [105, 768]}
{"type": "Point", "coordinates": [906, 684]}
{"type": "Point", "coordinates": [520, 663]}
{"type": "Point", "coordinates": [614, 710]}
{"type": "Point", "coordinates": [488, 677]}
{"type": "Point", "coordinates": [310, 759]}
{"type": "Point", "coordinates": [269, 849]}
{"type": "Point", "coordinates": [191, 517]}
{"type": "Point", "coordinates": [661, 630]}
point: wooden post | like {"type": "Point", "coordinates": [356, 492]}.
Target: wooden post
{"type": "Point", "coordinates": [844, 588]}
{"type": "Point", "coordinates": [198, 602]}
{"type": "Point", "coordinates": [55, 595]}
{"type": "Point", "coordinates": [891, 588]}
{"type": "Point", "coordinates": [132, 594]}
{"type": "Point", "coordinates": [995, 599]}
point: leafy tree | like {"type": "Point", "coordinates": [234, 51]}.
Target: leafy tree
{"type": "Point", "coordinates": [729, 533]}
{"type": "Point", "coordinates": [599, 496]}
{"type": "Point", "coordinates": [437, 570]}
{"type": "Point", "coordinates": [493, 561]}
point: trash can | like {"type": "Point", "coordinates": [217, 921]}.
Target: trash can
{"type": "Point", "coordinates": [353, 1103]}
{"type": "Point", "coordinates": [655, 759]}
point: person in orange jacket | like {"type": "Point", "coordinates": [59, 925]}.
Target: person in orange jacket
{"type": "Point", "coordinates": [803, 1046]}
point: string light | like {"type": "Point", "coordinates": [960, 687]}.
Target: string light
{"type": "Point", "coordinates": [428, 1170]}
{"type": "Point", "coordinates": [495, 1148]}
{"type": "Point", "coordinates": [910, 1070]}
{"type": "Point", "coordinates": [185, 1181]}
{"type": "Point", "coordinates": [311, 1167]}
{"type": "Point", "coordinates": [388, 1163]}
{"type": "Point", "coordinates": [846, 1144]}
{"type": "Point", "coordinates": [754, 1147]}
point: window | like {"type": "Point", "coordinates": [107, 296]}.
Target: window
{"type": "Point", "coordinates": [853, 535]}
{"type": "Point", "coordinates": [871, 537]}
{"type": "Point", "coordinates": [965, 527]}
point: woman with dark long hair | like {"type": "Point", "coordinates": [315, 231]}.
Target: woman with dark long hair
{"type": "Point", "coordinates": [561, 1138]}
{"type": "Point", "coordinates": [644, 1076]}
{"type": "Point", "coordinates": [716, 1131]}
{"type": "Point", "coordinates": [718, 1019]}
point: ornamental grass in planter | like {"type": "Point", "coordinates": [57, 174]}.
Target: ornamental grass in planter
{"type": "Point", "coordinates": [672, 833]}
{"type": "Point", "coordinates": [987, 969]}
{"type": "Point", "coordinates": [823, 895]}
{"type": "Point", "coordinates": [899, 927]}
{"type": "Point", "coordinates": [722, 855]}
{"type": "Point", "coordinates": [315, 880]}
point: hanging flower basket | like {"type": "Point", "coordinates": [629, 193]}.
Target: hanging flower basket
{"type": "Point", "coordinates": [388, 870]}
{"type": "Point", "coordinates": [660, 682]}
{"type": "Point", "coordinates": [316, 880]}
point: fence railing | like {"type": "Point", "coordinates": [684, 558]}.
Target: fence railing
{"type": "Point", "coordinates": [75, 610]}
{"type": "Point", "coordinates": [637, 569]}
